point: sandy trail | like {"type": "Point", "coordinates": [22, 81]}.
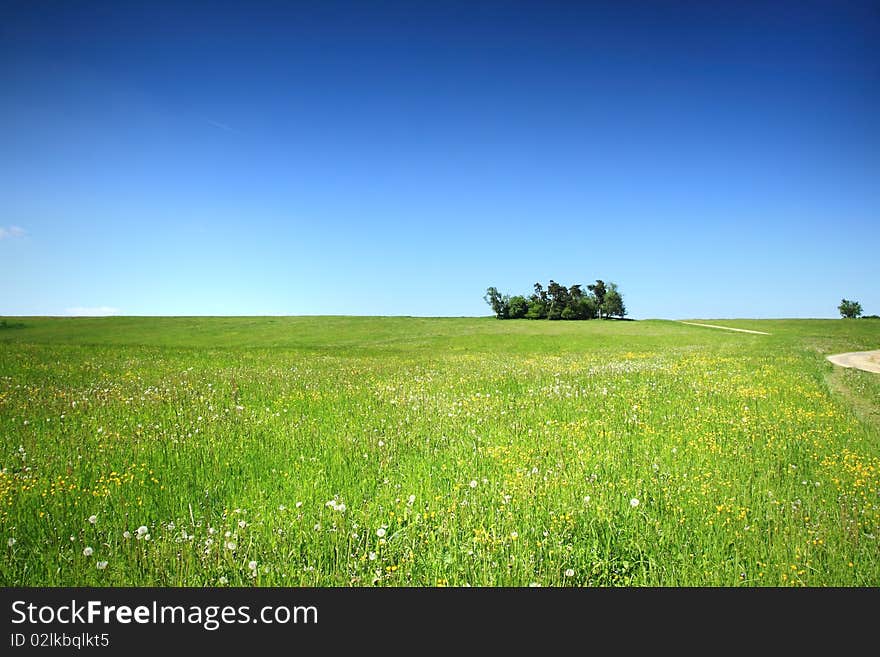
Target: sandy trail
{"type": "Point", "coordinates": [862, 360]}
{"type": "Point", "coordinates": [727, 328]}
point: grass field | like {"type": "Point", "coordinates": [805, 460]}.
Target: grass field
{"type": "Point", "coordinates": [338, 451]}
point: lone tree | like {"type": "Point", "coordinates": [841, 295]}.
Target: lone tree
{"type": "Point", "coordinates": [850, 309]}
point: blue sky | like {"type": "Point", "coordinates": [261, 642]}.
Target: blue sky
{"type": "Point", "coordinates": [396, 158]}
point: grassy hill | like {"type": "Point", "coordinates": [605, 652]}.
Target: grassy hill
{"type": "Point", "coordinates": [431, 451]}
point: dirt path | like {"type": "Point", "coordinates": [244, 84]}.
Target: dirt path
{"type": "Point", "coordinates": [726, 328]}
{"type": "Point", "coordinates": [862, 360]}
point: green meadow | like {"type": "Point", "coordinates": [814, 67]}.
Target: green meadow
{"type": "Point", "coordinates": [356, 451]}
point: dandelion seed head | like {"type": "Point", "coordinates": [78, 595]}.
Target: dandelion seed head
{"type": "Point", "coordinates": [87, 551]}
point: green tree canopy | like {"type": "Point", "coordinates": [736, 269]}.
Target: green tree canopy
{"type": "Point", "coordinates": [557, 301]}
{"type": "Point", "coordinates": [850, 309]}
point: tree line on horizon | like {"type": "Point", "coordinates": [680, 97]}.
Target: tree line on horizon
{"type": "Point", "coordinates": [556, 301]}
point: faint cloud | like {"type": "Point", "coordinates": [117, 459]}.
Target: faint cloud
{"type": "Point", "coordinates": [12, 232]}
{"type": "Point", "coordinates": [97, 311]}
{"type": "Point", "coordinates": [221, 126]}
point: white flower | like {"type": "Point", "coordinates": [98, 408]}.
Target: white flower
{"type": "Point", "coordinates": [230, 545]}
{"type": "Point", "coordinates": [146, 537]}
{"type": "Point", "coordinates": [299, 504]}
{"type": "Point", "coordinates": [87, 552]}
{"type": "Point", "coordinates": [569, 572]}
{"type": "Point", "coordinates": [473, 483]}
{"type": "Point", "coordinates": [101, 565]}
{"type": "Point", "coordinates": [514, 535]}
{"type": "Point", "coordinates": [634, 503]}
{"type": "Point", "coordinates": [534, 585]}
{"type": "Point", "coordinates": [141, 530]}
{"type": "Point", "coordinates": [380, 532]}
{"type": "Point", "coordinates": [10, 542]}
{"type": "Point", "coordinates": [586, 499]}
{"type": "Point", "coordinates": [381, 443]}
{"type": "Point", "coordinates": [242, 524]}
{"type": "Point", "coordinates": [341, 507]}
{"type": "Point", "coordinates": [655, 467]}
{"type": "Point", "coordinates": [224, 580]}
{"type": "Point", "coordinates": [93, 519]}
{"type": "Point", "coordinates": [211, 531]}
{"type": "Point", "coordinates": [281, 507]}
{"type": "Point", "coordinates": [372, 556]}
{"type": "Point", "coordinates": [411, 500]}
{"type": "Point", "coordinates": [126, 534]}
{"type": "Point", "coordinates": [252, 565]}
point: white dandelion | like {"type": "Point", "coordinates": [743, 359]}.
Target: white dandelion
{"type": "Point", "coordinates": [230, 545]}
{"type": "Point", "coordinates": [381, 532]}
{"type": "Point", "coordinates": [634, 503]}
{"type": "Point", "coordinates": [87, 551]}
{"type": "Point", "coordinates": [101, 565]}
{"type": "Point", "coordinates": [569, 572]}
{"type": "Point", "coordinates": [10, 542]}
{"type": "Point", "coordinates": [93, 519]}
{"type": "Point", "coordinates": [473, 483]}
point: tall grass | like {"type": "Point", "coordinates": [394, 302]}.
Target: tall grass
{"type": "Point", "coordinates": [371, 451]}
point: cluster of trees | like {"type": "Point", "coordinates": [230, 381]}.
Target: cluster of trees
{"type": "Point", "coordinates": [559, 302]}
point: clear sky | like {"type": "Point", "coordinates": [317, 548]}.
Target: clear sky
{"type": "Point", "coordinates": [396, 158]}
